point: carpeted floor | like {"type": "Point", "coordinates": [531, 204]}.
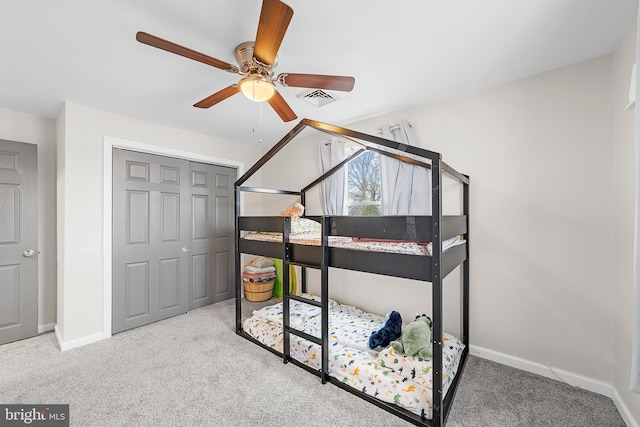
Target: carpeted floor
{"type": "Point", "coordinates": [193, 370]}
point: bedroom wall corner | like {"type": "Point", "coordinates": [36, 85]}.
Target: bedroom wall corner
{"type": "Point", "coordinates": [60, 194]}
{"type": "Point", "coordinates": [624, 178]}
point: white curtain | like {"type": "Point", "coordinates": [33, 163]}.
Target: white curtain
{"type": "Point", "coordinates": [404, 188]}
{"type": "Point", "coordinates": [333, 152]}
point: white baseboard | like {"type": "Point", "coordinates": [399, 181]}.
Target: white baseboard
{"type": "Point", "coordinates": [625, 413]}
{"type": "Point", "coordinates": [47, 327]}
{"type": "Point", "coordinates": [79, 342]}
{"type": "Point", "coordinates": [56, 330]}
{"type": "Point", "coordinates": [576, 380]}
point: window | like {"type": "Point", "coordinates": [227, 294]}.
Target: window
{"type": "Point", "coordinates": [363, 183]}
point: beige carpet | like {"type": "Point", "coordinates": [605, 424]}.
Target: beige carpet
{"type": "Point", "coordinates": [193, 370]}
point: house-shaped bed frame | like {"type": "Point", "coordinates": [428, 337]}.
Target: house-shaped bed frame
{"type": "Point", "coordinates": [434, 228]}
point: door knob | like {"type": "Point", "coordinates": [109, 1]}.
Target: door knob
{"type": "Point", "coordinates": [186, 249]}
{"type": "Point", "coordinates": [29, 253]}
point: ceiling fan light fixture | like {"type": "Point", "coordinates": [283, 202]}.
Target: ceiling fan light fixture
{"type": "Point", "coordinates": [256, 62]}
{"type": "Point", "coordinates": [257, 88]}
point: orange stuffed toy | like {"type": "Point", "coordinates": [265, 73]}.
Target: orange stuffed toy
{"type": "Point", "coordinates": [294, 211]}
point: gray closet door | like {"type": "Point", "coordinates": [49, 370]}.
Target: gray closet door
{"type": "Point", "coordinates": [150, 238]}
{"type": "Point", "coordinates": [212, 234]}
{"type": "Point", "coordinates": [18, 241]}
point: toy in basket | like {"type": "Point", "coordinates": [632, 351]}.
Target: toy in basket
{"type": "Point", "coordinates": [258, 278]}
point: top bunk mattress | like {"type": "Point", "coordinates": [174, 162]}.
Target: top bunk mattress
{"type": "Point", "coordinates": [374, 245]}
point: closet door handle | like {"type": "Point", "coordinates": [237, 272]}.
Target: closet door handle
{"type": "Point", "coordinates": [186, 249]}
{"type": "Point", "coordinates": [29, 253]}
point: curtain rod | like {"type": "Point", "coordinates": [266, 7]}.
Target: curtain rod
{"type": "Point", "coordinates": [378, 131]}
{"type": "Point", "coordinates": [391, 128]}
{"type": "Point", "coordinates": [345, 139]}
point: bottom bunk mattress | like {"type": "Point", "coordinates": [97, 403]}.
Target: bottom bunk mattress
{"type": "Point", "coordinates": [405, 381]}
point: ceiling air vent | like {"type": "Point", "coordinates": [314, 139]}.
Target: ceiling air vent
{"type": "Point", "coordinates": [317, 97]}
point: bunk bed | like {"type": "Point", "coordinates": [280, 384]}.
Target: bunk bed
{"type": "Point", "coordinates": [328, 338]}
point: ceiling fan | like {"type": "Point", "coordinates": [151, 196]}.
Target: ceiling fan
{"type": "Point", "coordinates": [256, 63]}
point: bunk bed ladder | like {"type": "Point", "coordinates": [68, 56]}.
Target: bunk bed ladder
{"type": "Point", "coordinates": [286, 284]}
{"type": "Point", "coordinates": [322, 341]}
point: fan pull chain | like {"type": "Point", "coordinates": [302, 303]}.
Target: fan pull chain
{"type": "Point", "coordinates": [253, 120]}
{"type": "Point", "coordinates": [261, 122]}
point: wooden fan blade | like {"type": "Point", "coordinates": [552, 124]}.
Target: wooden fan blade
{"type": "Point", "coordinates": [163, 44]}
{"type": "Point", "coordinates": [281, 107]}
{"type": "Point", "coordinates": [317, 81]}
{"type": "Point", "coordinates": [274, 20]}
{"type": "Point", "coordinates": [217, 97]}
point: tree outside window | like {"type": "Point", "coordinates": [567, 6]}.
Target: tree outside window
{"type": "Point", "coordinates": [364, 185]}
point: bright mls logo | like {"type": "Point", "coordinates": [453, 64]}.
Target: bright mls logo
{"type": "Point", "coordinates": [34, 415]}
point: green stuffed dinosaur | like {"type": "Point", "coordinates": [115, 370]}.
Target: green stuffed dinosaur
{"type": "Point", "coordinates": [415, 338]}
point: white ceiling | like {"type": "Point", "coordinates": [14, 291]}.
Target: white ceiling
{"type": "Point", "coordinates": [402, 53]}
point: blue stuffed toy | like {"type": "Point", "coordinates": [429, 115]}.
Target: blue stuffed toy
{"type": "Point", "coordinates": [391, 331]}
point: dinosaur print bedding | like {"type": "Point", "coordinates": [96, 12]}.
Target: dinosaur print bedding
{"type": "Point", "coordinates": [385, 374]}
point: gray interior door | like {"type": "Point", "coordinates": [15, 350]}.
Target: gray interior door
{"type": "Point", "coordinates": [150, 238]}
{"type": "Point", "coordinates": [18, 241]}
{"type": "Point", "coordinates": [212, 234]}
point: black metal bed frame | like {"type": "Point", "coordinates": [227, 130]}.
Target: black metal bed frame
{"type": "Point", "coordinates": [434, 228]}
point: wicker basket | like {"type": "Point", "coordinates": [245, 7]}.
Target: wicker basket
{"type": "Point", "coordinates": [258, 291]}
